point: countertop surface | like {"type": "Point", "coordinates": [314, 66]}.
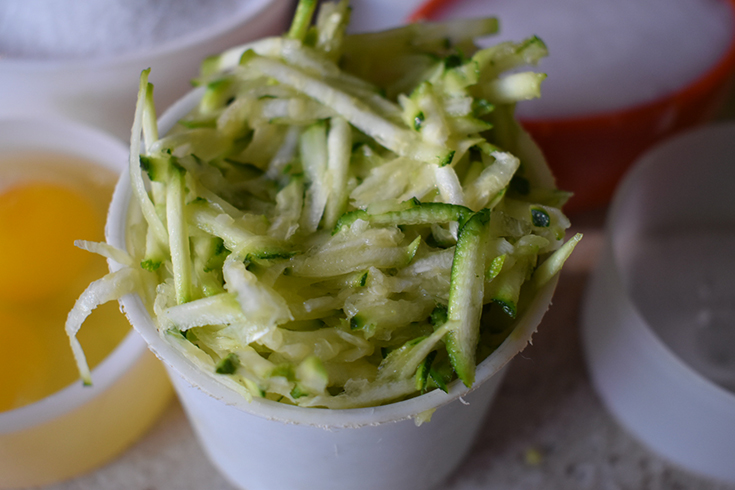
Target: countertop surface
{"type": "Point", "coordinates": [547, 428]}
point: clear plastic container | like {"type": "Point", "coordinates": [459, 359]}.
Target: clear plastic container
{"type": "Point", "coordinates": [659, 315]}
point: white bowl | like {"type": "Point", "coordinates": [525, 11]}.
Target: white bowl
{"type": "Point", "coordinates": [77, 429]}
{"type": "Point", "coordinates": [101, 91]}
{"type": "Point", "coordinates": [263, 444]}
{"type": "Point", "coordinates": [659, 315]}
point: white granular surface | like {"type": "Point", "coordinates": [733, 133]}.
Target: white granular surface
{"type": "Point", "coordinates": [67, 29]}
{"type": "Point", "coordinates": [610, 54]}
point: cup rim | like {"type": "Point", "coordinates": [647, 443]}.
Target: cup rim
{"type": "Point", "coordinates": [327, 418]}
{"type": "Point", "coordinates": [246, 11]}
{"type": "Point", "coordinates": [71, 138]}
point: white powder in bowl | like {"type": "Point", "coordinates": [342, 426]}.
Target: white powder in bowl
{"type": "Point", "coordinates": [68, 29]}
{"type": "Point", "coordinates": [610, 54]}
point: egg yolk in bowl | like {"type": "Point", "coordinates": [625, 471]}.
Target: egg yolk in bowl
{"type": "Point", "coordinates": [47, 202]}
{"type": "Point", "coordinates": [40, 222]}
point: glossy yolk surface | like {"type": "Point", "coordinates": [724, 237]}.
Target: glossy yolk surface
{"type": "Point", "coordinates": [38, 225]}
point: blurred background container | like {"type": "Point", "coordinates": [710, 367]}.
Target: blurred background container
{"type": "Point", "coordinates": [658, 320]}
{"type": "Point", "coordinates": [76, 59]}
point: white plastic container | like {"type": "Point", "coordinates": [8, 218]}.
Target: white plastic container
{"type": "Point", "coordinates": [77, 429]}
{"type": "Point", "coordinates": [265, 445]}
{"type": "Point", "coordinates": [101, 91]}
{"type": "Point", "coordinates": [659, 316]}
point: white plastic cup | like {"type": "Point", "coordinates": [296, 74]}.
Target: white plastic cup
{"type": "Point", "coordinates": [318, 448]}
{"type": "Point", "coordinates": [647, 366]}
{"type": "Point", "coordinates": [266, 445]}
{"type": "Point", "coordinates": [79, 428]}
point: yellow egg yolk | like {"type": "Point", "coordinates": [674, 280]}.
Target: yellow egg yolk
{"type": "Point", "coordinates": [38, 225]}
{"type": "Point", "coordinates": [47, 201]}
{"type": "Point", "coordinates": [23, 361]}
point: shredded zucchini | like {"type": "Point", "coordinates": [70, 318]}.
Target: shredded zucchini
{"type": "Point", "coordinates": [327, 227]}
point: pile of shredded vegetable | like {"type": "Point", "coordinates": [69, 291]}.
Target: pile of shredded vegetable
{"type": "Point", "coordinates": [342, 220]}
